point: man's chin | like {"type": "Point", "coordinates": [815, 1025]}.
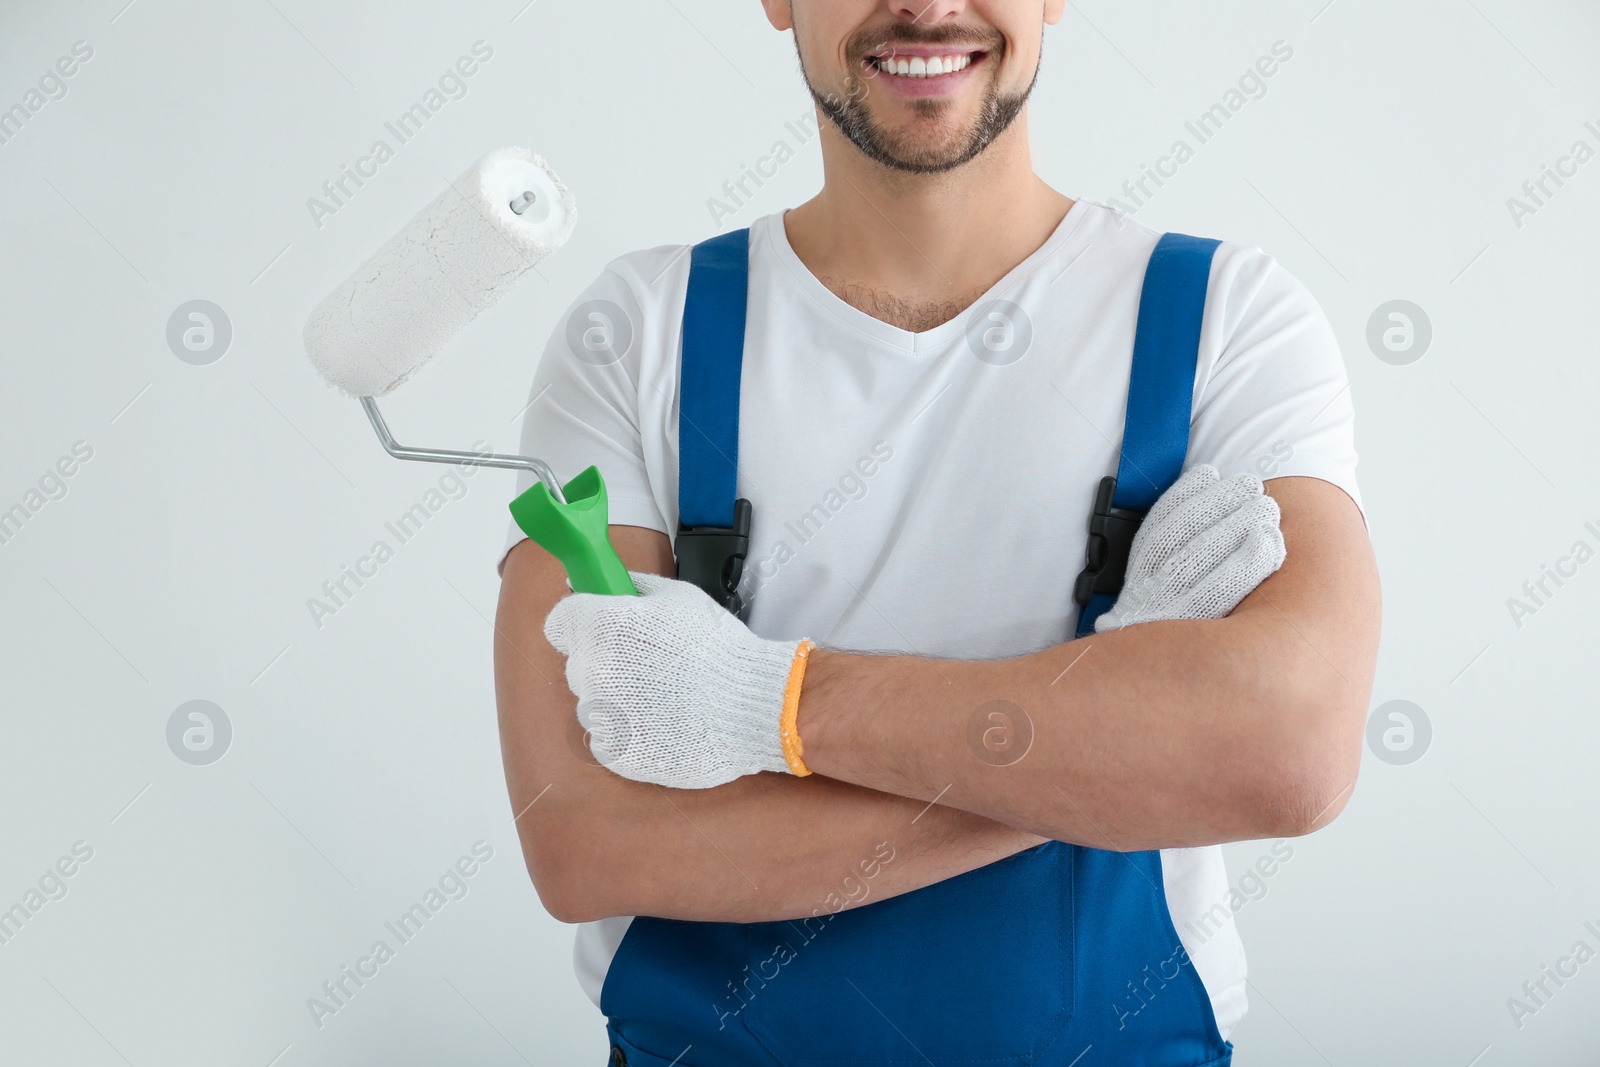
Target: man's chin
{"type": "Point", "coordinates": [923, 159]}
{"type": "Point", "coordinates": [929, 140]}
{"type": "Point", "coordinates": [923, 151]}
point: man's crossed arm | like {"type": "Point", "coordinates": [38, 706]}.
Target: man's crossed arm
{"type": "Point", "coordinates": [1166, 734]}
{"type": "Point", "coordinates": [763, 847]}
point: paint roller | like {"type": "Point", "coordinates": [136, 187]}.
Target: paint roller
{"type": "Point", "coordinates": [457, 257]}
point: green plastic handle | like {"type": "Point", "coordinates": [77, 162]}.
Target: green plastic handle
{"type": "Point", "coordinates": [575, 533]}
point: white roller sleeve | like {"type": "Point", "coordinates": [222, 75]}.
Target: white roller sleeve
{"type": "Point", "coordinates": [457, 257]}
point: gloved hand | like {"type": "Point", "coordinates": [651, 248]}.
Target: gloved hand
{"type": "Point", "coordinates": [674, 689]}
{"type": "Point", "coordinates": [1204, 546]}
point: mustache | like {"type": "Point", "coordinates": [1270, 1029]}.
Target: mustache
{"type": "Point", "coordinates": [865, 43]}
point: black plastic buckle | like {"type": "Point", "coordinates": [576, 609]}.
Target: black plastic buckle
{"type": "Point", "coordinates": [1111, 533]}
{"type": "Point", "coordinates": [712, 557]}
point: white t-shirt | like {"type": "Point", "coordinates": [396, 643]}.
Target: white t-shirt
{"type": "Point", "coordinates": [929, 493]}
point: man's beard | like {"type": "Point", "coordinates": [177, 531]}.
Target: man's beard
{"type": "Point", "coordinates": [996, 112]}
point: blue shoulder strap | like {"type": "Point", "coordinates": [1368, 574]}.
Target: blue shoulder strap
{"type": "Point", "coordinates": [708, 396]}
{"type": "Point", "coordinates": [713, 526]}
{"type": "Point", "coordinates": [1155, 430]}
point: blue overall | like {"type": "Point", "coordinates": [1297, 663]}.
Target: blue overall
{"type": "Point", "coordinates": [1056, 956]}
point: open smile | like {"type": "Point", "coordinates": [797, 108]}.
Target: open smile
{"type": "Point", "coordinates": [922, 70]}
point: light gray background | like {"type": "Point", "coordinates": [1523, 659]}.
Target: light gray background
{"type": "Point", "coordinates": [364, 757]}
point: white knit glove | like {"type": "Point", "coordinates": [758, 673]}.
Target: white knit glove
{"type": "Point", "coordinates": [672, 687]}
{"type": "Point", "coordinates": [1204, 546]}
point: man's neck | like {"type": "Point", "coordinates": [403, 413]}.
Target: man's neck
{"type": "Point", "coordinates": [915, 250]}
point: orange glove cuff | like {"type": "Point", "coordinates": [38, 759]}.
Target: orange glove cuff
{"type": "Point", "coordinates": [787, 730]}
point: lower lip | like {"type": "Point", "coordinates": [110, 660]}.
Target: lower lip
{"type": "Point", "coordinates": [938, 85]}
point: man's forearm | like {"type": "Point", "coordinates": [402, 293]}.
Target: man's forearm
{"type": "Point", "coordinates": [764, 848]}
{"type": "Point", "coordinates": [1164, 734]}
{"type": "Point", "coordinates": [1126, 740]}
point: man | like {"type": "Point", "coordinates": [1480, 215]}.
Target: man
{"type": "Point", "coordinates": [827, 862]}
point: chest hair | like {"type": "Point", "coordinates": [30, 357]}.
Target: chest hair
{"type": "Point", "coordinates": [914, 316]}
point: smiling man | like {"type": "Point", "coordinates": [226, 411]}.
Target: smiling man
{"type": "Point", "coordinates": [866, 800]}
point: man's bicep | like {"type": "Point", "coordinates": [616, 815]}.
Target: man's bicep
{"type": "Point", "coordinates": [1327, 589]}
{"type": "Point", "coordinates": [541, 743]}
{"type": "Point", "coordinates": [532, 581]}
{"type": "Point", "coordinates": [1321, 610]}
{"type": "Point", "coordinates": [535, 702]}
{"type": "Point", "coordinates": [640, 548]}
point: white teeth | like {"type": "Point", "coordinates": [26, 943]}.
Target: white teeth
{"type": "Point", "coordinates": [922, 67]}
